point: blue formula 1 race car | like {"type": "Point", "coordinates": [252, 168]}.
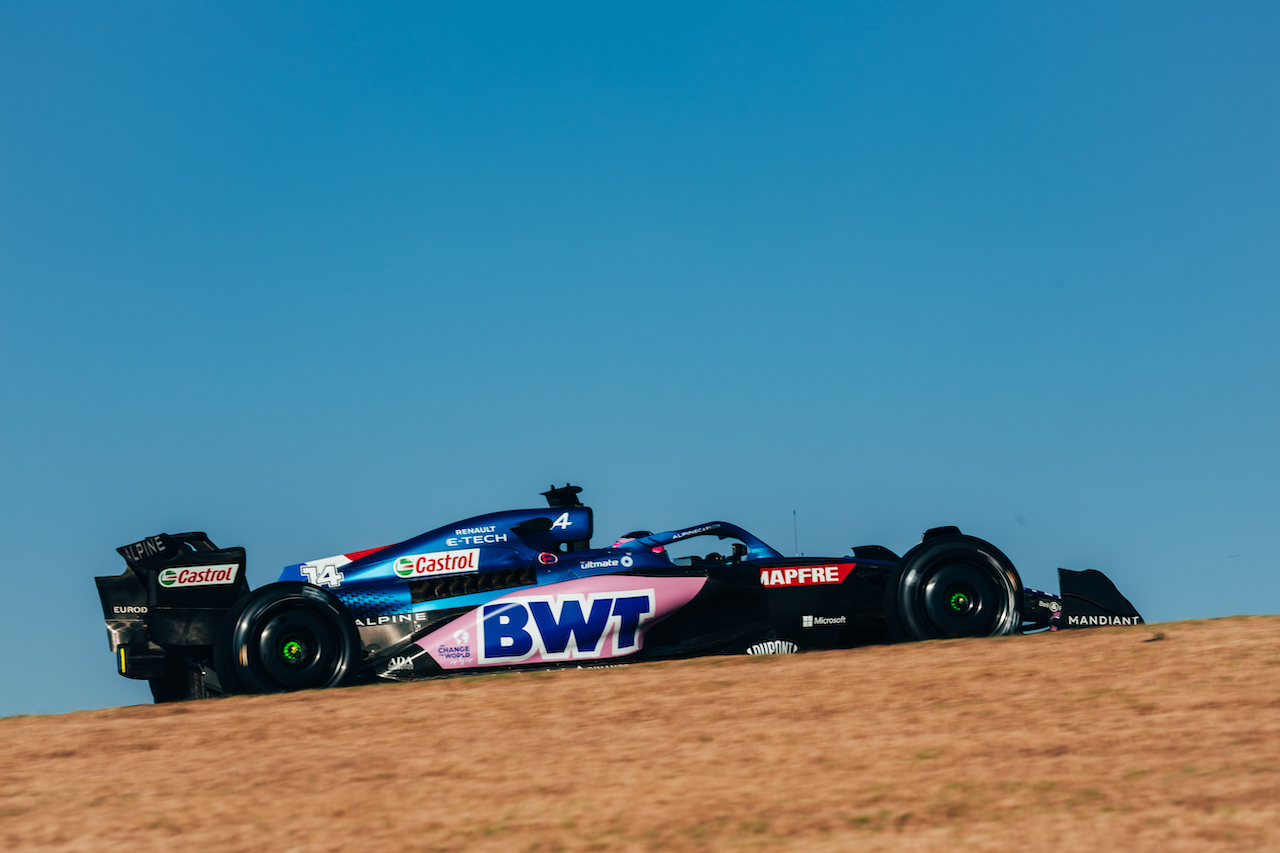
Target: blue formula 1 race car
{"type": "Point", "coordinates": [524, 589]}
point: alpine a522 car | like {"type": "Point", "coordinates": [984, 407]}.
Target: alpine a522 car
{"type": "Point", "coordinates": [524, 589]}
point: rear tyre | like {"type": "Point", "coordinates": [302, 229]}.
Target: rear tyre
{"type": "Point", "coordinates": [284, 637]}
{"type": "Point", "coordinates": [953, 586]}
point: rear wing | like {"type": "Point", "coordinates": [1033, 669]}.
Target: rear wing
{"type": "Point", "coordinates": [171, 596]}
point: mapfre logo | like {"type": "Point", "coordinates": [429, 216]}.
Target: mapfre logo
{"type": "Point", "coordinates": [437, 563]}
{"type": "Point", "coordinates": [198, 575]}
{"type": "Point", "coordinates": [572, 626]}
{"type": "Point", "coordinates": [805, 575]}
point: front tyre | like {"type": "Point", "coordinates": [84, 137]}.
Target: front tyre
{"type": "Point", "coordinates": [953, 586]}
{"type": "Point", "coordinates": [284, 637]}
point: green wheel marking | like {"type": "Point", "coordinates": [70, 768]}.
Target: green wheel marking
{"type": "Point", "coordinates": [291, 650]}
{"type": "Point", "coordinates": [959, 601]}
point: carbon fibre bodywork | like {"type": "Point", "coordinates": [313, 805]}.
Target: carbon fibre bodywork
{"type": "Point", "coordinates": [524, 588]}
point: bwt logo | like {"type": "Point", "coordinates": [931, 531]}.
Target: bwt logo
{"type": "Point", "coordinates": [563, 627]}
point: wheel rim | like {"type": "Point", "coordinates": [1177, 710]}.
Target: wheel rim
{"type": "Point", "coordinates": [958, 596]}
{"type": "Point", "coordinates": [960, 602]}
{"type": "Point", "coordinates": [293, 651]}
{"type": "Point", "coordinates": [960, 599]}
{"type": "Point", "coordinates": [296, 649]}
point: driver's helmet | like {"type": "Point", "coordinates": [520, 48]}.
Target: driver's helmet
{"type": "Point", "coordinates": [633, 536]}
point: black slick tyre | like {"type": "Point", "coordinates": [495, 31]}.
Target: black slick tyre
{"type": "Point", "coordinates": [287, 636]}
{"type": "Point", "coordinates": [953, 586]}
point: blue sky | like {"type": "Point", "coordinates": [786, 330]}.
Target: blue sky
{"type": "Point", "coordinates": [318, 277]}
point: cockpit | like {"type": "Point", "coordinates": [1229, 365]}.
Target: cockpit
{"type": "Point", "coordinates": [738, 554]}
{"type": "Point", "coordinates": [683, 550]}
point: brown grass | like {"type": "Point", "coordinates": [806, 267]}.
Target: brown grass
{"type": "Point", "coordinates": [1086, 741]}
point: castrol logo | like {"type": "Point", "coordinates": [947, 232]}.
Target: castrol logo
{"type": "Point", "coordinates": [198, 575]}
{"type": "Point", "coordinates": [437, 563]}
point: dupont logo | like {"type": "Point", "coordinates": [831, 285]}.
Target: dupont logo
{"type": "Point", "coordinates": [819, 621]}
{"type": "Point", "coordinates": [773, 647]}
{"type": "Point", "coordinates": [198, 575]}
{"type": "Point", "coordinates": [437, 563]}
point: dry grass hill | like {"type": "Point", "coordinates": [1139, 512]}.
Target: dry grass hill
{"type": "Point", "coordinates": [1108, 739]}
